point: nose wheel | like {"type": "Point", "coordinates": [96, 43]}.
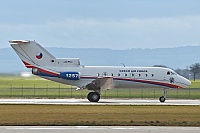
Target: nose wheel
{"type": "Point", "coordinates": [163, 98]}
{"type": "Point", "coordinates": [93, 96]}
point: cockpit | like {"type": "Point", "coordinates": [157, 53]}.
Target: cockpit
{"type": "Point", "coordinates": [171, 73]}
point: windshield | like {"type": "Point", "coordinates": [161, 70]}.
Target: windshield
{"type": "Point", "coordinates": [171, 72]}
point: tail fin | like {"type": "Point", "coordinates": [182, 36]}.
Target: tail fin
{"type": "Point", "coordinates": [32, 54]}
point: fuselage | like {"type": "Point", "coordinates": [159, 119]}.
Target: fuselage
{"type": "Point", "coordinates": [124, 77]}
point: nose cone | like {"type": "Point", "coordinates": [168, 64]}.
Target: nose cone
{"type": "Point", "coordinates": [186, 82]}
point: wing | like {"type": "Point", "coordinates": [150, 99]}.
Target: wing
{"type": "Point", "coordinates": [103, 83]}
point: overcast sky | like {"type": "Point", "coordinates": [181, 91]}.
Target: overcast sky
{"type": "Point", "coordinates": [115, 24]}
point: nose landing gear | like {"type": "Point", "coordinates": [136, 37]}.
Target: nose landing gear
{"type": "Point", "coordinates": [163, 98]}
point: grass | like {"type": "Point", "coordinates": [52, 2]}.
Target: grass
{"type": "Point", "coordinates": [28, 82]}
{"type": "Point", "coordinates": [195, 84]}
{"type": "Point", "coordinates": [83, 115]}
{"type": "Point", "coordinates": [16, 86]}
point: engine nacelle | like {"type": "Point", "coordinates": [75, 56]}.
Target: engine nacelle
{"type": "Point", "coordinates": [70, 75]}
{"type": "Point", "coordinates": [35, 71]}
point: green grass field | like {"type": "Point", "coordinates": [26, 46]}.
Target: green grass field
{"type": "Point", "coordinates": [16, 86]}
{"type": "Point", "coordinates": [195, 84]}
{"type": "Point", "coordinates": [99, 115]}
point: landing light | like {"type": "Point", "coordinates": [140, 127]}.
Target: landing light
{"type": "Point", "coordinates": [179, 87]}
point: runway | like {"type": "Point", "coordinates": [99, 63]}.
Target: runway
{"type": "Point", "coordinates": [98, 129]}
{"type": "Point", "coordinates": [101, 102]}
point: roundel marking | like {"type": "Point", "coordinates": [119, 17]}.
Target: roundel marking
{"type": "Point", "coordinates": [39, 55]}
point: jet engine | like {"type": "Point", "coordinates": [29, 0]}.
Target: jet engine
{"type": "Point", "coordinates": [35, 71]}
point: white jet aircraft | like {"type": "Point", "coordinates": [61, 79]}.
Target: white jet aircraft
{"type": "Point", "coordinates": [94, 78]}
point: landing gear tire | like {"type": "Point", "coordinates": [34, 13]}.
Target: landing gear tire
{"type": "Point", "coordinates": [162, 99]}
{"type": "Point", "coordinates": [93, 96]}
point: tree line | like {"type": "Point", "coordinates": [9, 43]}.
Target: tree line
{"type": "Point", "coordinates": [195, 70]}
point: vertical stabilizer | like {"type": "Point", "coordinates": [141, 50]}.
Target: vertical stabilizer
{"type": "Point", "coordinates": [32, 54]}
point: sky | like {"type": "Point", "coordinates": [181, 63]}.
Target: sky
{"type": "Point", "coordinates": [114, 24]}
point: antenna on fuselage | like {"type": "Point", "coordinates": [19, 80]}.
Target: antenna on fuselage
{"type": "Point", "coordinates": [123, 64]}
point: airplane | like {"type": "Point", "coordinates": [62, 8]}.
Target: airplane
{"type": "Point", "coordinates": [94, 78]}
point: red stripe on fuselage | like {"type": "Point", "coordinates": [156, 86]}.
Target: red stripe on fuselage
{"type": "Point", "coordinates": [150, 82]}
{"type": "Point", "coordinates": [41, 70]}
{"type": "Point", "coordinates": [138, 81]}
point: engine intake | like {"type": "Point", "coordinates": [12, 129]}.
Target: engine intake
{"type": "Point", "coordinates": [35, 71]}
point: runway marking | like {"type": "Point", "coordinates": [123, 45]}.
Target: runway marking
{"type": "Point", "coordinates": [94, 128]}
{"type": "Point", "coordinates": [58, 128]}
{"type": "Point", "coordinates": [37, 128]}
{"type": "Point", "coordinates": [71, 128]}
{"type": "Point", "coordinates": [123, 128]}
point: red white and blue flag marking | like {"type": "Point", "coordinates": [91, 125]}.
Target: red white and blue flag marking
{"type": "Point", "coordinates": [39, 55]}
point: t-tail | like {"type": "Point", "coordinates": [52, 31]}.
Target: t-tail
{"type": "Point", "coordinates": [32, 54]}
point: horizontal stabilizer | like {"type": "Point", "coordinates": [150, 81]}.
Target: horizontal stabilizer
{"type": "Point", "coordinates": [19, 41]}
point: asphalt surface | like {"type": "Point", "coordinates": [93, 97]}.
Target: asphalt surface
{"type": "Point", "coordinates": [101, 102]}
{"type": "Point", "coordinates": [97, 129]}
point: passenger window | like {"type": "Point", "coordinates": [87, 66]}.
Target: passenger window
{"type": "Point", "coordinates": [146, 75]}
{"type": "Point", "coordinates": [98, 74]}
{"type": "Point", "coordinates": [125, 74]}
{"type": "Point", "coordinates": [118, 74]}
{"type": "Point", "coordinates": [139, 75]}
{"type": "Point", "coordinates": [111, 74]}
{"type": "Point", "coordinates": [152, 75]}
{"type": "Point", "coordinates": [105, 74]}
{"type": "Point", "coordinates": [132, 75]}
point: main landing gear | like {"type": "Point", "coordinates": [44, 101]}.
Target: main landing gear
{"type": "Point", "coordinates": [163, 98]}
{"type": "Point", "coordinates": [93, 96]}
{"type": "Point", "coordinates": [94, 86]}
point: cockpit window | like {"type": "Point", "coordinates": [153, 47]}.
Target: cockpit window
{"type": "Point", "coordinates": [171, 73]}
